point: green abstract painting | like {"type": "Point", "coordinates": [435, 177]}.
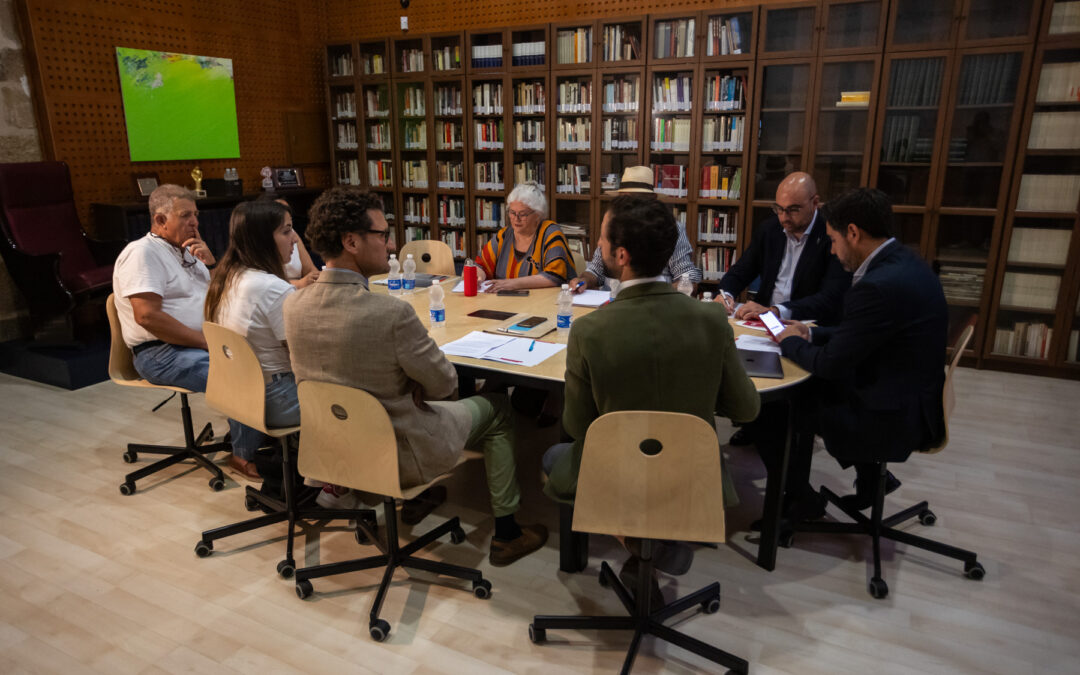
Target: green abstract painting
{"type": "Point", "coordinates": [178, 106]}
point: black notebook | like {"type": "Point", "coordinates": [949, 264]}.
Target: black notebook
{"type": "Point", "coordinates": [761, 364]}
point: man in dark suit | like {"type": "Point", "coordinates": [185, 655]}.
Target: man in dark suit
{"type": "Point", "coordinates": [800, 279]}
{"type": "Point", "coordinates": [882, 367]}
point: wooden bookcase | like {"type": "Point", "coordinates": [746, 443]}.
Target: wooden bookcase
{"type": "Point", "coordinates": [932, 102]}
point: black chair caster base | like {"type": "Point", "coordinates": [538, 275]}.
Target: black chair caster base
{"type": "Point", "coordinates": [379, 630]}
{"type": "Point", "coordinates": [285, 569]}
{"type": "Point", "coordinates": [878, 588]}
{"type": "Point", "coordinates": [204, 548]}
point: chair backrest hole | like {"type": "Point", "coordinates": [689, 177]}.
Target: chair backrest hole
{"type": "Point", "coordinates": [339, 412]}
{"type": "Point", "coordinates": [226, 351]}
{"type": "Point", "coordinates": [426, 257]}
{"type": "Point", "coordinates": [651, 447]}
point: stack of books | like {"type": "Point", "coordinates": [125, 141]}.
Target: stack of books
{"type": "Point", "coordinates": [962, 284]}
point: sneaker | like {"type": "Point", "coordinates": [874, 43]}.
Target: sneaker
{"type": "Point", "coordinates": [337, 497]}
{"type": "Point", "coordinates": [503, 553]}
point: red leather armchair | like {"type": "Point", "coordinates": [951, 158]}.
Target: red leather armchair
{"type": "Point", "coordinates": [54, 264]}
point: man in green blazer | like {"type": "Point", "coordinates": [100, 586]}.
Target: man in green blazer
{"type": "Point", "coordinates": [652, 348]}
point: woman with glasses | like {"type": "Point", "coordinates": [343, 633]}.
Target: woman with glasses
{"type": "Point", "coordinates": [531, 252]}
{"type": "Point", "coordinates": [246, 294]}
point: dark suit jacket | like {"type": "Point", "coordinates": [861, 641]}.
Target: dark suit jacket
{"type": "Point", "coordinates": [884, 364]}
{"type": "Point", "coordinates": [653, 348]}
{"type": "Point", "coordinates": [820, 281]}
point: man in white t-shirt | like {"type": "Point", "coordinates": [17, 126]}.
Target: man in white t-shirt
{"type": "Point", "coordinates": [160, 284]}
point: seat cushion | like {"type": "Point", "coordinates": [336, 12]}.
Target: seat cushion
{"type": "Point", "coordinates": [91, 279]}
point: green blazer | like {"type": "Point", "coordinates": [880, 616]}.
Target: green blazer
{"type": "Point", "coordinates": [652, 348]}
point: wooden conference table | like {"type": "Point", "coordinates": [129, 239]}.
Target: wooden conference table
{"type": "Point", "coordinates": [550, 373]}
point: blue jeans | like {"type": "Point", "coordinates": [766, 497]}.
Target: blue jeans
{"type": "Point", "coordinates": [551, 457]}
{"type": "Point", "coordinates": [282, 410]}
{"type": "Point", "coordinates": [174, 366]}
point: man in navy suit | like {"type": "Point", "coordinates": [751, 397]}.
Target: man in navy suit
{"type": "Point", "coordinates": [882, 368]}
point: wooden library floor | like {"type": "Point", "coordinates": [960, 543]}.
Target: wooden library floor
{"type": "Point", "coordinates": [96, 582]}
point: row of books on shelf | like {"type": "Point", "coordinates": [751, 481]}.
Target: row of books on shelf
{"type": "Point", "coordinates": [725, 92]}
{"type": "Point", "coordinates": [489, 135]}
{"type": "Point", "coordinates": [622, 94]}
{"type": "Point", "coordinates": [962, 284]}
{"type": "Point", "coordinates": [412, 101]}
{"type": "Point", "coordinates": [341, 65]}
{"type": "Point", "coordinates": [574, 97]}
{"type": "Point", "coordinates": [669, 179]}
{"type": "Point", "coordinates": [723, 35]}
{"type": "Point", "coordinates": [1024, 339]}
{"type": "Point", "coordinates": [574, 45]}
{"type": "Point", "coordinates": [487, 56]}
{"type": "Point", "coordinates": [620, 43]}
{"type": "Point", "coordinates": [449, 136]}
{"type": "Point", "coordinates": [451, 211]}
{"type": "Point", "coordinates": [573, 133]}
{"type": "Point", "coordinates": [446, 58]}
{"type": "Point", "coordinates": [447, 101]}
{"type": "Point", "coordinates": [455, 239]}
{"type": "Point", "coordinates": [378, 136]}
{"type": "Point", "coordinates": [1059, 83]}
{"type": "Point", "coordinates": [1055, 131]}
{"type": "Point", "coordinates": [715, 262]}
{"type": "Point", "coordinates": [527, 53]}
{"type": "Point", "coordinates": [412, 60]}
{"type": "Point", "coordinates": [487, 99]}
{"type": "Point", "coordinates": [451, 175]}
{"type": "Point", "coordinates": [346, 136]}
{"type": "Point", "coordinates": [373, 64]}
{"type": "Point", "coordinates": [415, 210]}
{"type": "Point", "coordinates": [414, 174]}
{"type": "Point", "coordinates": [674, 39]}
{"type": "Point", "coordinates": [724, 133]}
{"type": "Point", "coordinates": [1048, 192]}
{"type": "Point", "coordinates": [989, 79]}
{"type": "Point", "coordinates": [916, 82]}
{"type": "Point", "coordinates": [1027, 290]}
{"type": "Point", "coordinates": [414, 134]}
{"type": "Point", "coordinates": [529, 134]}
{"type": "Point", "coordinates": [348, 172]}
{"type": "Point", "coordinates": [572, 179]}
{"type": "Point", "coordinates": [417, 233]}
{"type": "Point", "coordinates": [345, 105]}
{"type": "Point", "coordinates": [619, 133]}
{"type": "Point", "coordinates": [720, 182]}
{"type": "Point", "coordinates": [529, 170]}
{"type": "Point", "coordinates": [671, 133]}
{"type": "Point", "coordinates": [671, 93]}
{"type": "Point", "coordinates": [489, 176]}
{"type": "Point", "coordinates": [901, 141]}
{"type": "Point", "coordinates": [717, 225]}
{"type": "Point", "coordinates": [529, 98]}
{"type": "Point", "coordinates": [1065, 18]}
{"type": "Point", "coordinates": [381, 172]}
{"type": "Point", "coordinates": [1039, 246]}
{"type": "Point", "coordinates": [375, 103]}
{"type": "Point", "coordinates": [489, 214]}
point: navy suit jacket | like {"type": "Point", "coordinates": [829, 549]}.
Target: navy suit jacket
{"type": "Point", "coordinates": [820, 281]}
{"type": "Point", "coordinates": [884, 364]}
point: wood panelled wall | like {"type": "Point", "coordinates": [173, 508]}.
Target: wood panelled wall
{"type": "Point", "coordinates": [276, 47]}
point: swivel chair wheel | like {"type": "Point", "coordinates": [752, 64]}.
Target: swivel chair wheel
{"type": "Point", "coordinates": [711, 606]}
{"type": "Point", "coordinates": [457, 535]}
{"type": "Point", "coordinates": [285, 569]}
{"type": "Point", "coordinates": [878, 588]}
{"type": "Point", "coordinates": [217, 484]}
{"type": "Point", "coordinates": [362, 536]}
{"type": "Point", "coordinates": [204, 548]}
{"type": "Point", "coordinates": [974, 571]}
{"type": "Point", "coordinates": [127, 488]}
{"type": "Point", "coordinates": [379, 630]}
{"type": "Point", "coordinates": [304, 589]}
{"type": "Point", "coordinates": [927, 517]}
{"type": "Point", "coordinates": [537, 635]}
{"type": "Point", "coordinates": [482, 589]}
{"type": "Point", "coordinates": [131, 456]}
{"type": "Point", "coordinates": [251, 504]}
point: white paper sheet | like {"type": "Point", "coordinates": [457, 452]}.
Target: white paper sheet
{"type": "Point", "coordinates": [460, 288]}
{"type": "Point", "coordinates": [475, 344]}
{"type": "Point", "coordinates": [591, 298]}
{"type": "Point", "coordinates": [757, 344]}
{"type": "Point", "coordinates": [513, 350]}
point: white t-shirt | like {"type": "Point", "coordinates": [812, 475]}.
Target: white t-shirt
{"type": "Point", "coordinates": [251, 307]}
{"type": "Point", "coordinates": [153, 265]}
{"type": "Point", "coordinates": [294, 266]}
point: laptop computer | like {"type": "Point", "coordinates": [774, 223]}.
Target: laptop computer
{"type": "Point", "coordinates": [761, 364]}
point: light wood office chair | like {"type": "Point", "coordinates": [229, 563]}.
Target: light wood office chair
{"type": "Point", "coordinates": [579, 262]}
{"type": "Point", "coordinates": [431, 256]}
{"type": "Point", "coordinates": [652, 475]}
{"type": "Point", "coordinates": [877, 526]}
{"type": "Point", "coordinates": [348, 440]}
{"type": "Point", "coordinates": [122, 371]}
{"type": "Point", "coordinates": [236, 388]}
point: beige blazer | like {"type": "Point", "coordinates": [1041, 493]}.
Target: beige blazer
{"type": "Point", "coordinates": [339, 332]}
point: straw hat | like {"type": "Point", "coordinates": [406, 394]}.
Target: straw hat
{"type": "Point", "coordinates": [635, 179]}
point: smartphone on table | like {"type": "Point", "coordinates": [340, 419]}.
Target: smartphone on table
{"type": "Point", "coordinates": [772, 324]}
{"type": "Point", "coordinates": [526, 324]}
{"type": "Point", "coordinates": [515, 294]}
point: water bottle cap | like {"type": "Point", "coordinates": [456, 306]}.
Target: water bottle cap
{"type": "Point", "coordinates": [435, 282]}
{"type": "Point", "coordinates": [393, 256]}
{"type": "Point", "coordinates": [566, 287]}
{"type": "Point", "coordinates": [409, 256]}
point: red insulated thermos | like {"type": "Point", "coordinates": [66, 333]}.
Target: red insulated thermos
{"type": "Point", "coordinates": [470, 279]}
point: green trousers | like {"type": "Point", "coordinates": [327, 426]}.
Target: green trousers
{"type": "Point", "coordinates": [492, 433]}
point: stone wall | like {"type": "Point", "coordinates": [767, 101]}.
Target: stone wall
{"type": "Point", "coordinates": [19, 142]}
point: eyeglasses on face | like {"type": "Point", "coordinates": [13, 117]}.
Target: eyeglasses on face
{"type": "Point", "coordinates": [385, 234]}
{"type": "Point", "coordinates": [519, 215]}
{"type": "Point", "coordinates": [790, 210]}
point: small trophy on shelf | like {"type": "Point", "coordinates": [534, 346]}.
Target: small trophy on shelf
{"type": "Point", "coordinates": [196, 175]}
{"type": "Point", "coordinates": [267, 181]}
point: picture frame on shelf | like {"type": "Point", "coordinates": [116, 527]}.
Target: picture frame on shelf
{"type": "Point", "coordinates": [144, 183]}
{"type": "Point", "coordinates": [287, 177]}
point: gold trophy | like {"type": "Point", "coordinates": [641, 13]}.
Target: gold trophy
{"type": "Point", "coordinates": [196, 175]}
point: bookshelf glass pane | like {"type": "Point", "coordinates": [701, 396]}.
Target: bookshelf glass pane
{"type": "Point", "coordinates": [789, 30]}
{"type": "Point", "coordinates": [785, 86]}
{"type": "Point", "coordinates": [727, 34]}
{"type": "Point", "coordinates": [853, 24]}
{"type": "Point", "coordinates": [922, 22]}
{"type": "Point", "coordinates": [373, 58]}
{"type": "Point", "coordinates": [446, 53]}
{"type": "Point", "coordinates": [1022, 333]}
{"type": "Point", "coordinates": [842, 125]}
{"type": "Point", "coordinates": [574, 44]}
{"type": "Point", "coordinates": [621, 41]}
{"type": "Point", "coordinates": [964, 239]}
{"type": "Point", "coordinates": [988, 19]}
{"type": "Point", "coordinates": [908, 227]}
{"type": "Point", "coordinates": [907, 143]}
{"type": "Point", "coordinates": [1065, 20]}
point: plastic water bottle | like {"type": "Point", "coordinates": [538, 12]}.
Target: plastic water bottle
{"type": "Point", "coordinates": [393, 282]}
{"type": "Point", "coordinates": [706, 297]}
{"type": "Point", "coordinates": [564, 311]}
{"type": "Point", "coordinates": [686, 287]}
{"type": "Point", "coordinates": [436, 305]}
{"type": "Point", "coordinates": [408, 280]}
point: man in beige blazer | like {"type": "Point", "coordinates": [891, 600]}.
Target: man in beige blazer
{"type": "Point", "coordinates": [339, 332]}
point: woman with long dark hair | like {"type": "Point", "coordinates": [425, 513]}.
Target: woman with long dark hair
{"type": "Point", "coordinates": [246, 294]}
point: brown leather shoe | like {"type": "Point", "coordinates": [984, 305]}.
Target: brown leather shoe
{"type": "Point", "coordinates": [244, 469]}
{"type": "Point", "coordinates": [532, 538]}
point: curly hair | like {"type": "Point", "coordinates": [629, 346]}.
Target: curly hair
{"type": "Point", "coordinates": [337, 212]}
{"type": "Point", "coordinates": [646, 228]}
